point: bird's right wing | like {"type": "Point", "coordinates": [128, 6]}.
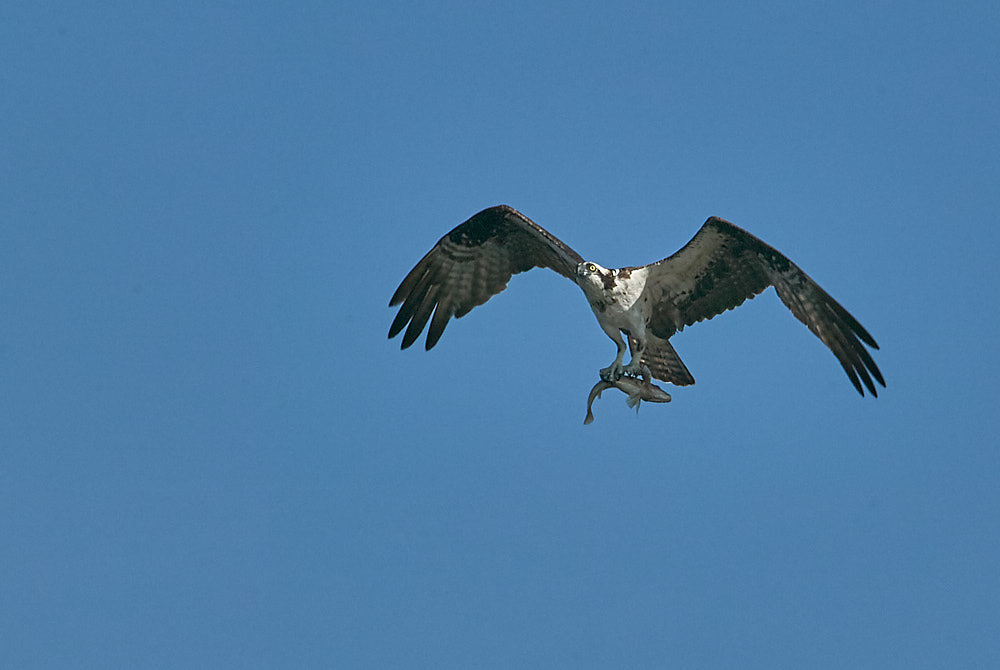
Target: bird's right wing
{"type": "Point", "coordinates": [470, 265]}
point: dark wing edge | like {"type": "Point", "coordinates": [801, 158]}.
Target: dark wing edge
{"type": "Point", "coordinates": [470, 265]}
{"type": "Point", "coordinates": [723, 266]}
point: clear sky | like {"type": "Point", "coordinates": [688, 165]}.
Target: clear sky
{"type": "Point", "coordinates": [211, 455]}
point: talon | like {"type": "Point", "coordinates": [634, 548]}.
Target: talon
{"type": "Point", "coordinates": [612, 373]}
{"type": "Point", "coordinates": [633, 369]}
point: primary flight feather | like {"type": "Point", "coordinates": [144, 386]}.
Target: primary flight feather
{"type": "Point", "coordinates": [639, 308]}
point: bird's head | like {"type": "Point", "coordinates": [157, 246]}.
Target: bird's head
{"type": "Point", "coordinates": [591, 275]}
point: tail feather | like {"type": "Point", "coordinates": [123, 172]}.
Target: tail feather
{"type": "Point", "coordinates": [664, 362]}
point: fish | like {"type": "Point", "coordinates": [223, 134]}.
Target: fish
{"type": "Point", "coordinates": [636, 388]}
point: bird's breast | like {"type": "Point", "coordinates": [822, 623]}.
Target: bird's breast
{"type": "Point", "coordinates": [619, 302]}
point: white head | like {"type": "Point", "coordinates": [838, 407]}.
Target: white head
{"type": "Point", "coordinates": [592, 277]}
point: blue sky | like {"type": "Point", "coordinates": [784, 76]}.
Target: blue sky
{"type": "Point", "coordinates": [211, 456]}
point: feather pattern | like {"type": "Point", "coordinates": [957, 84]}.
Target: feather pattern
{"type": "Point", "coordinates": [470, 265]}
{"type": "Point", "coordinates": [723, 266]}
{"type": "Point", "coordinates": [664, 363]}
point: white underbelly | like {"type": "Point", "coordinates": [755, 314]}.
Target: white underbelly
{"type": "Point", "coordinates": [630, 318]}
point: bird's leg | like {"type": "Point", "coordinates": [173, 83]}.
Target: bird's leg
{"type": "Point", "coordinates": [638, 347]}
{"type": "Point", "coordinates": [613, 372]}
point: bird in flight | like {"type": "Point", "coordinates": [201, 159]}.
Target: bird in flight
{"type": "Point", "coordinates": [639, 308]}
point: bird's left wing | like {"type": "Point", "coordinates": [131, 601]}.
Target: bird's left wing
{"type": "Point", "coordinates": [723, 265]}
{"type": "Point", "coordinates": [470, 265]}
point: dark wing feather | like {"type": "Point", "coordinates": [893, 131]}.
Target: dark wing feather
{"type": "Point", "coordinates": [723, 265]}
{"type": "Point", "coordinates": [470, 265]}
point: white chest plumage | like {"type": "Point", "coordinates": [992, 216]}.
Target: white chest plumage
{"type": "Point", "coordinates": [616, 296]}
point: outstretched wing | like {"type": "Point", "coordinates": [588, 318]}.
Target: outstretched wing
{"type": "Point", "coordinates": [470, 265]}
{"type": "Point", "coordinates": [723, 265]}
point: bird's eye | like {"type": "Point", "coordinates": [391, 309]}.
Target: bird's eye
{"type": "Point", "coordinates": [591, 267]}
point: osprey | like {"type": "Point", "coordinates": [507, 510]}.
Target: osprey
{"type": "Point", "coordinates": [720, 268]}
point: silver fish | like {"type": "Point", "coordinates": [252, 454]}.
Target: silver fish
{"type": "Point", "coordinates": [637, 389]}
